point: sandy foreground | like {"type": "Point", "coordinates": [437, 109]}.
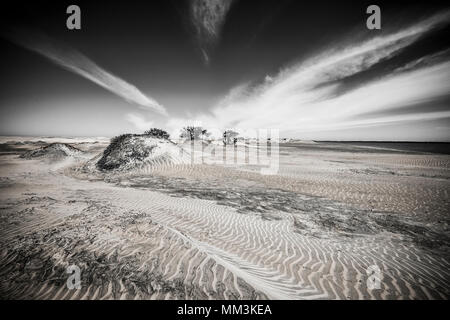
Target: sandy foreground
{"type": "Point", "coordinates": [316, 230]}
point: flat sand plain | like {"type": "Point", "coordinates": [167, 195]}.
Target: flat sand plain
{"type": "Point", "coordinates": [313, 231]}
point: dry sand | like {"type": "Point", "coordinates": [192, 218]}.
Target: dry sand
{"type": "Point", "coordinates": [215, 232]}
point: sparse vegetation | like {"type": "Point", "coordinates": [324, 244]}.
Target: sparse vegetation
{"type": "Point", "coordinates": [157, 133]}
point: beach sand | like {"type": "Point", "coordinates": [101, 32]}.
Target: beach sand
{"type": "Point", "coordinates": [315, 230]}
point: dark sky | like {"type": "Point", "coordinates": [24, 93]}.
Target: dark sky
{"type": "Point", "coordinates": [156, 47]}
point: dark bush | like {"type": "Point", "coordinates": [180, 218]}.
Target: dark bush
{"type": "Point", "coordinates": [157, 133]}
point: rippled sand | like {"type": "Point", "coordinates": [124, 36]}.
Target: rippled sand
{"type": "Point", "coordinates": [214, 232]}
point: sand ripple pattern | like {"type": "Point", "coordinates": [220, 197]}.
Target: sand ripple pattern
{"type": "Point", "coordinates": [141, 244]}
{"type": "Point", "coordinates": [322, 268]}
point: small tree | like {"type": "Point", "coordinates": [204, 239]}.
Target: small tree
{"type": "Point", "coordinates": [192, 133]}
{"type": "Point", "coordinates": [157, 133]}
{"type": "Point", "coordinates": [230, 137]}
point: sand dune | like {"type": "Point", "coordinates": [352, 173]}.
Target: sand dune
{"type": "Point", "coordinates": [140, 153]}
{"type": "Point", "coordinates": [54, 150]}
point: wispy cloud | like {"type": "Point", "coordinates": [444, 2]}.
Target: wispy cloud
{"type": "Point", "coordinates": [306, 97]}
{"type": "Point", "coordinates": [76, 62]}
{"type": "Point", "coordinates": [207, 18]}
{"type": "Point", "coordinates": [139, 121]}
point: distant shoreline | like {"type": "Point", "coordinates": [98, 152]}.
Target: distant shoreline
{"type": "Point", "coordinates": [382, 146]}
{"type": "Point", "coordinates": [298, 139]}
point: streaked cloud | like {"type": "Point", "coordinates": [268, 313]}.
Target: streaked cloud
{"type": "Point", "coordinates": [308, 97]}
{"type": "Point", "coordinates": [74, 61]}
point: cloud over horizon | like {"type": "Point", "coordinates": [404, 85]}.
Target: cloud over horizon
{"type": "Point", "coordinates": [334, 80]}
{"type": "Point", "coordinates": [309, 96]}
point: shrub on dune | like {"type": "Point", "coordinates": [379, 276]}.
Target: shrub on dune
{"type": "Point", "coordinates": [157, 133]}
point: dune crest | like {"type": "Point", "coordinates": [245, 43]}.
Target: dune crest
{"type": "Point", "coordinates": [53, 150]}
{"type": "Point", "coordinates": [139, 153]}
